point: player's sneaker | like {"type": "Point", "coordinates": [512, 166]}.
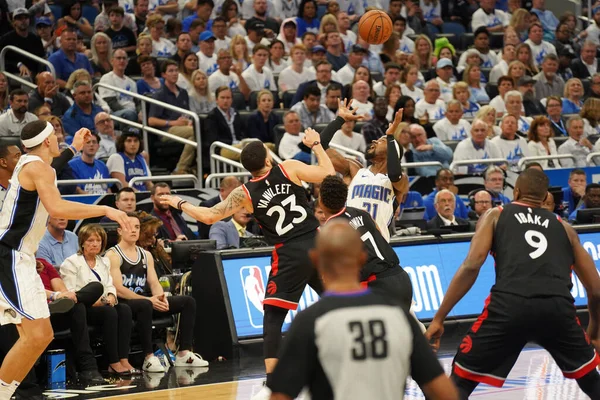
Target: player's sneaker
{"type": "Point", "coordinates": [153, 364]}
{"type": "Point", "coordinates": [187, 376]}
{"type": "Point", "coordinates": [191, 360]}
{"type": "Point", "coordinates": [264, 394]}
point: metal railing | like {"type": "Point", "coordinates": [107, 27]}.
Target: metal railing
{"type": "Point", "coordinates": [475, 162]}
{"type": "Point", "coordinates": [86, 181]}
{"type": "Point", "coordinates": [163, 178]}
{"type": "Point", "coordinates": [146, 128]}
{"type": "Point", "coordinates": [589, 160]}
{"type": "Point", "coordinates": [423, 164]}
{"type": "Point", "coordinates": [350, 151]}
{"type": "Point", "coordinates": [525, 160]}
{"type": "Point", "coordinates": [212, 178]}
{"type": "Point", "coordinates": [28, 55]}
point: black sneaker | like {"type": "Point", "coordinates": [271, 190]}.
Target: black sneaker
{"type": "Point", "coordinates": [61, 306]}
{"type": "Point", "coordinates": [91, 376]}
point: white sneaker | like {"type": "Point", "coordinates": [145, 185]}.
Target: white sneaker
{"type": "Point", "coordinates": [152, 364]}
{"type": "Point", "coordinates": [190, 360]}
{"type": "Point", "coordinates": [264, 394]}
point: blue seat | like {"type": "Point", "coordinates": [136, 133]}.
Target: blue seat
{"type": "Point", "coordinates": [90, 13]}
{"type": "Point", "coordinates": [454, 27]}
{"type": "Point", "coordinates": [56, 11]}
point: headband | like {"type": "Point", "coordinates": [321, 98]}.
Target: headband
{"type": "Point", "coordinates": [39, 138]}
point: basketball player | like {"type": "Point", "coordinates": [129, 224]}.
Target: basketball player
{"type": "Point", "coordinates": [31, 197]}
{"type": "Point", "coordinates": [276, 198]}
{"type": "Point", "coordinates": [354, 343]}
{"type": "Point", "coordinates": [382, 269]}
{"type": "Point", "coordinates": [534, 252]}
{"type": "Point", "coordinates": [373, 188]}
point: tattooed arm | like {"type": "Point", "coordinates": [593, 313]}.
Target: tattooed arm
{"type": "Point", "coordinates": [236, 200]}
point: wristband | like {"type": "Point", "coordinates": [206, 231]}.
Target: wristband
{"type": "Point", "coordinates": [73, 149]}
{"type": "Point", "coordinates": [181, 202]}
{"type": "Point", "coordinates": [19, 64]}
{"type": "Point", "coordinates": [316, 142]}
{"type": "Point", "coordinates": [167, 124]}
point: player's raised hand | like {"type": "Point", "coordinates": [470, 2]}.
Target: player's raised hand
{"type": "Point", "coordinates": [119, 217]}
{"type": "Point", "coordinates": [81, 137]}
{"type": "Point", "coordinates": [394, 125]}
{"type": "Point", "coordinates": [345, 111]}
{"type": "Point", "coordinates": [434, 334]}
{"type": "Point", "coordinates": [170, 200]}
{"type": "Point", "coordinates": [310, 137]}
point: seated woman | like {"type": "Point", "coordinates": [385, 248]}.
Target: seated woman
{"type": "Point", "coordinates": [149, 241]}
{"type": "Point", "coordinates": [541, 142]}
{"type": "Point", "coordinates": [461, 92]}
{"type": "Point", "coordinates": [148, 83]}
{"type": "Point", "coordinates": [201, 97]}
{"type": "Point", "coordinates": [572, 97]}
{"type": "Point", "coordinates": [136, 281]}
{"type": "Point", "coordinates": [85, 267]}
{"type": "Point", "coordinates": [472, 77]}
{"type": "Point", "coordinates": [262, 123]}
{"type": "Point", "coordinates": [554, 106]}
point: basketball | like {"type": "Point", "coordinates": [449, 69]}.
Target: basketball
{"type": "Point", "coordinates": [375, 27]}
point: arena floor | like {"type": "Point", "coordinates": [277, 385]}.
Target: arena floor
{"type": "Point", "coordinates": [535, 376]}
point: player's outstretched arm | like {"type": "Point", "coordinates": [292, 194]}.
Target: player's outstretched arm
{"type": "Point", "coordinates": [234, 202]}
{"type": "Point", "coordinates": [344, 114]}
{"type": "Point", "coordinates": [298, 171]}
{"type": "Point", "coordinates": [466, 275]}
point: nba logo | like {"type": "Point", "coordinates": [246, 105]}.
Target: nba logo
{"type": "Point", "coordinates": [254, 294]}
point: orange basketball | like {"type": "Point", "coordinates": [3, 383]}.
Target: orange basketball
{"type": "Point", "coordinates": [375, 27]}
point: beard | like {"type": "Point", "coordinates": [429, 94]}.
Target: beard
{"type": "Point", "coordinates": [370, 154]}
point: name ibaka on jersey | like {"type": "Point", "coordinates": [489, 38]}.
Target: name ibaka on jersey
{"type": "Point", "coordinates": [375, 192]}
{"type": "Point", "coordinates": [531, 219]}
{"type": "Point", "coordinates": [272, 191]}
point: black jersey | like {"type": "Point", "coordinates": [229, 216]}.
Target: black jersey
{"type": "Point", "coordinates": [533, 253]}
{"type": "Point", "coordinates": [280, 206]}
{"type": "Point", "coordinates": [134, 272]}
{"type": "Point", "coordinates": [381, 256]}
{"type": "Point", "coordinates": [353, 346]}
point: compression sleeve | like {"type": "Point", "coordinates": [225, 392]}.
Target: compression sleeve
{"type": "Point", "coordinates": [61, 161]}
{"type": "Point", "coordinates": [393, 159]}
{"type": "Point", "coordinates": [330, 130]}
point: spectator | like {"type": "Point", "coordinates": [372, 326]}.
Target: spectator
{"type": "Point", "coordinates": [207, 58]}
{"type": "Point", "coordinates": [590, 112]}
{"type": "Point", "coordinates": [105, 128]}
{"type": "Point", "coordinates": [565, 42]}
{"type": "Point", "coordinates": [287, 35]}
{"type": "Point", "coordinates": [47, 93]}
{"type": "Point", "coordinates": [573, 92]}
{"type": "Point", "coordinates": [548, 82]}
{"type": "Point", "coordinates": [514, 106]}
{"type": "Point", "coordinates": [87, 267]}
{"type": "Point", "coordinates": [42, 111]}
{"type": "Point", "coordinates": [228, 75]}
{"type": "Point", "coordinates": [219, 29]}
{"type": "Point", "coordinates": [391, 76]}
{"type": "Point", "coordinates": [445, 206]}
{"type": "Point", "coordinates": [121, 105]}
{"type": "Point", "coordinates": [187, 65]}
{"type": "Point", "coordinates": [481, 202]}
{"type": "Point", "coordinates": [196, 28]}
{"type": "Point", "coordinates": [201, 100]}
{"type": "Point", "coordinates": [452, 126]}
{"type": "Point", "coordinates": [226, 186]}
{"type": "Point", "coordinates": [121, 36]}
{"type": "Point", "coordinates": [511, 146]}
{"type": "Point", "coordinates": [539, 48]}
{"type": "Point", "coordinates": [461, 93]}
{"type": "Point", "coordinates": [346, 137]}
{"type": "Point", "coordinates": [148, 83]}
{"type": "Point", "coordinates": [493, 181]}
{"type": "Point", "coordinates": [289, 146]}
{"type": "Point", "coordinates": [295, 74]}
{"type": "Point", "coordinates": [230, 12]}
{"type": "Point", "coordinates": [144, 48]}
{"type": "Point", "coordinates": [587, 65]}
{"type": "Point", "coordinates": [427, 149]}
{"type": "Point", "coordinates": [9, 157]}
{"type": "Point", "coordinates": [24, 39]}
{"type": "Point", "coordinates": [257, 75]}
{"type": "Point", "coordinates": [82, 113]}
{"type": "Point", "coordinates": [517, 70]}
{"type": "Point", "coordinates": [532, 106]}
{"type": "Point", "coordinates": [505, 85]}
{"type": "Point", "coordinates": [59, 131]}
{"type": "Point", "coordinates": [262, 123]}
{"type": "Point", "coordinates": [12, 121]}
{"type": "Point", "coordinates": [125, 200]}
{"type": "Point", "coordinates": [444, 179]}
{"type": "Point", "coordinates": [307, 17]}
{"type": "Point", "coordinates": [509, 55]}
{"type": "Point", "coordinates": [67, 59]}
{"type": "Point", "coordinates": [148, 240]}
{"type": "Point", "coordinates": [256, 34]}
{"type": "Point", "coordinates": [355, 59]}
{"type": "Point", "coordinates": [276, 61]}
{"type": "Point", "coordinates": [228, 233]}
{"type": "Point", "coordinates": [407, 45]}
{"type": "Point", "coordinates": [371, 60]}
{"type": "Point", "coordinates": [430, 107]}
{"type": "Point", "coordinates": [541, 142]}
{"type": "Point", "coordinates": [547, 18]}
{"type": "Point", "coordinates": [88, 167]}
{"type": "Point", "coordinates": [494, 20]}
{"type": "Point", "coordinates": [444, 74]}
{"type": "Point", "coordinates": [58, 243]}
{"type": "Point", "coordinates": [333, 94]}
{"type": "Point", "coordinates": [224, 124]}
{"type": "Point", "coordinates": [44, 29]}
{"type": "Point", "coordinates": [389, 49]}
{"type": "Point", "coordinates": [335, 51]}
{"type": "Point", "coordinates": [171, 121]}
{"type": "Point", "coordinates": [488, 115]}
{"type": "Point", "coordinates": [102, 21]}
{"type": "Point", "coordinates": [128, 162]}
{"type": "Point", "coordinates": [525, 56]}
{"type": "Point", "coordinates": [173, 226]}
{"type": "Point", "coordinates": [574, 192]}
{"type": "Point", "coordinates": [553, 111]}
{"type": "Point", "coordinates": [476, 147]}
{"type": "Point", "coordinates": [591, 199]}
{"type": "Point", "coordinates": [323, 81]}
{"type": "Point", "coordinates": [577, 145]}
{"type": "Point", "coordinates": [376, 126]}
{"type": "Point", "coordinates": [260, 15]}
{"type": "Point", "coordinates": [409, 78]}
{"type": "Point", "coordinates": [392, 94]}
{"type": "Point", "coordinates": [311, 111]}
{"type": "Point", "coordinates": [140, 13]}
{"type": "Point", "coordinates": [482, 45]}
{"type": "Point", "coordinates": [472, 77]}
{"type": "Point", "coordinates": [204, 9]}
{"type": "Point", "coordinates": [184, 46]}
{"type": "Point", "coordinates": [4, 101]}
{"type": "Point", "coordinates": [146, 300]}
{"type": "Point", "coordinates": [161, 46]}
{"type": "Point", "coordinates": [424, 52]}
{"type": "Point", "coordinates": [360, 99]}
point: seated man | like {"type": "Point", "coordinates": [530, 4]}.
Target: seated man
{"type": "Point", "coordinates": [228, 233]}
{"type": "Point", "coordinates": [17, 116]}
{"type": "Point", "coordinates": [511, 146]}
{"type": "Point", "coordinates": [134, 277]}
{"type": "Point", "coordinates": [58, 243]}
{"type": "Point", "coordinates": [129, 163]}
{"type": "Point", "coordinates": [445, 204]}
{"type": "Point", "coordinates": [423, 149]}
{"type": "Point", "coordinates": [591, 199]}
{"type": "Point", "coordinates": [310, 109]}
{"type": "Point", "coordinates": [227, 185]}
{"type": "Point", "coordinates": [493, 181]}
{"type": "Point", "coordinates": [47, 93]}
{"type": "Point", "coordinates": [173, 225]}
{"type": "Point", "coordinates": [574, 192]}
{"type": "Point", "coordinates": [481, 201]}
{"type": "Point", "coordinates": [444, 179]}
{"type": "Point", "coordinates": [224, 124]}
{"type": "Point", "coordinates": [121, 105]}
{"type": "Point", "coordinates": [292, 139]}
{"type": "Point", "coordinates": [83, 111]}
{"type": "Point", "coordinates": [88, 167]}
{"type": "Point", "coordinates": [105, 128]}
{"type": "Point", "coordinates": [125, 200]}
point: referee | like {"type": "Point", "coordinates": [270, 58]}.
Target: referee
{"type": "Point", "coordinates": [354, 344]}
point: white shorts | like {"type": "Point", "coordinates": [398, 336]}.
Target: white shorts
{"type": "Point", "coordinates": [22, 293]}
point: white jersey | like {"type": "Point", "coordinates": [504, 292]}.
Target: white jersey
{"type": "Point", "coordinates": [373, 193]}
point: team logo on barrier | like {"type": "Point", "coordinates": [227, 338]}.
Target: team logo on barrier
{"type": "Point", "coordinates": [254, 293]}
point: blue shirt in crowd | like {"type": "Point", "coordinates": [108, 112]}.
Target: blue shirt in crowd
{"type": "Point", "coordinates": [75, 119]}
{"type": "Point", "coordinates": [65, 67]}
{"type": "Point", "coordinates": [56, 252]}
{"type": "Point", "coordinates": [97, 170]}
{"type": "Point", "coordinates": [460, 210]}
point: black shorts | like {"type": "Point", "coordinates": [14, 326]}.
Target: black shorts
{"type": "Point", "coordinates": [291, 271]}
{"type": "Point", "coordinates": [394, 283]}
{"type": "Point", "coordinates": [491, 347]}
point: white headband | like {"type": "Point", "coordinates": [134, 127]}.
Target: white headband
{"type": "Point", "coordinates": [39, 138]}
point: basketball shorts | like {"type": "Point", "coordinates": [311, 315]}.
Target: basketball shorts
{"type": "Point", "coordinates": [393, 283]}
{"type": "Point", "coordinates": [22, 293]}
{"type": "Point", "coordinates": [491, 347]}
{"type": "Point", "coordinates": [291, 271]}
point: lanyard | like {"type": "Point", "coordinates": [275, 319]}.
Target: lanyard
{"type": "Point", "coordinates": [560, 127]}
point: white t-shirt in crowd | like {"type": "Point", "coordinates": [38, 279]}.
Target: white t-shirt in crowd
{"type": "Point", "coordinates": [346, 74]}
{"type": "Point", "coordinates": [124, 83]}
{"type": "Point", "coordinates": [163, 48]}
{"type": "Point", "coordinates": [362, 108]}
{"type": "Point", "coordinates": [435, 111]}
{"type": "Point", "coordinates": [183, 82]}
{"type": "Point", "coordinates": [258, 81]}
{"type": "Point", "coordinates": [222, 44]}
{"type": "Point", "coordinates": [349, 39]}
{"type": "Point", "coordinates": [207, 64]}
{"type": "Point", "coordinates": [445, 130]}
{"type": "Point", "coordinates": [291, 80]}
{"type": "Point", "coordinates": [466, 150]}
{"type": "Point", "coordinates": [416, 94]}
{"type": "Point", "coordinates": [407, 45]}
{"type": "Point", "coordinates": [218, 79]}
{"type": "Point", "coordinates": [539, 51]}
{"type": "Point", "coordinates": [481, 18]}
{"type": "Point", "coordinates": [288, 146]}
{"type": "Point", "coordinates": [512, 150]}
{"type": "Point", "coordinates": [354, 142]}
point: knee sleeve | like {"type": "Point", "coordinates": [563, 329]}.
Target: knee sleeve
{"type": "Point", "coordinates": [272, 323]}
{"type": "Point", "coordinates": [590, 384]}
{"type": "Point", "coordinates": [465, 386]}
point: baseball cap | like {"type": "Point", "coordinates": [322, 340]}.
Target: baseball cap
{"type": "Point", "coordinates": [206, 35]}
{"type": "Point", "coordinates": [318, 48]}
{"type": "Point", "coordinates": [443, 63]}
{"type": "Point", "coordinates": [20, 11]}
{"type": "Point", "coordinates": [567, 53]}
{"type": "Point", "coordinates": [255, 25]}
{"type": "Point", "coordinates": [526, 80]}
{"type": "Point", "coordinates": [43, 21]}
{"type": "Point", "coordinates": [357, 48]}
